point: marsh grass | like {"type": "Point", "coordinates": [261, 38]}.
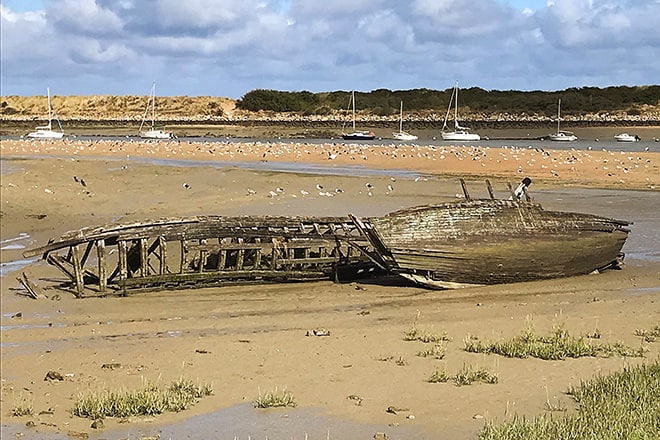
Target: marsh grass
{"type": "Point", "coordinates": [467, 375]}
{"type": "Point", "coordinates": [273, 399]}
{"type": "Point", "coordinates": [437, 351]}
{"type": "Point", "coordinates": [559, 344]}
{"type": "Point", "coordinates": [649, 335]}
{"type": "Point", "coordinates": [147, 401]}
{"type": "Point", "coordinates": [414, 334]}
{"type": "Point", "coordinates": [622, 405]}
{"type": "Point", "coordinates": [22, 408]}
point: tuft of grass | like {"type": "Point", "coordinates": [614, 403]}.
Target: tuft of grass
{"type": "Point", "coordinates": [147, 401]}
{"type": "Point", "coordinates": [439, 376]}
{"type": "Point", "coordinates": [559, 344]}
{"type": "Point", "coordinates": [465, 376]}
{"type": "Point", "coordinates": [621, 405]}
{"type": "Point", "coordinates": [274, 399]}
{"type": "Point", "coordinates": [649, 335]}
{"type": "Point", "coordinates": [414, 334]}
{"type": "Point", "coordinates": [22, 408]}
{"type": "Point", "coordinates": [436, 352]}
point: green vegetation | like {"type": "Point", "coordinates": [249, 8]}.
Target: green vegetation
{"type": "Point", "coordinates": [649, 335]}
{"type": "Point", "coordinates": [557, 345]}
{"type": "Point", "coordinates": [413, 334]}
{"type": "Point", "coordinates": [437, 351]}
{"type": "Point", "coordinates": [465, 376]}
{"type": "Point", "coordinates": [623, 405]}
{"type": "Point", "coordinates": [274, 399]}
{"type": "Point", "coordinates": [575, 101]}
{"type": "Point", "coordinates": [147, 401]}
{"type": "Point", "coordinates": [23, 408]}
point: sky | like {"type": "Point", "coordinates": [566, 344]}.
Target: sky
{"type": "Point", "coordinates": [229, 47]}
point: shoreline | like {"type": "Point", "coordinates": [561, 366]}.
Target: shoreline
{"type": "Point", "coordinates": [604, 169]}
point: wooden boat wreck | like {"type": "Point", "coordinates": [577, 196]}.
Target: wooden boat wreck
{"type": "Point", "coordinates": [456, 244]}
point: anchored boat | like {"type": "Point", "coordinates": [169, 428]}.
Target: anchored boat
{"type": "Point", "coordinates": [463, 243]}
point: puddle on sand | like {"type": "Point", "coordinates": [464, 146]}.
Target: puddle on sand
{"type": "Point", "coordinates": [244, 422]}
{"type": "Point", "coordinates": [12, 266]}
{"type": "Point", "coordinates": [638, 291]}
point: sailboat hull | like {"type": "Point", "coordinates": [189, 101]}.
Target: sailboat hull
{"type": "Point", "coordinates": [460, 136]}
{"type": "Point", "coordinates": [155, 134]}
{"type": "Point", "coordinates": [45, 134]}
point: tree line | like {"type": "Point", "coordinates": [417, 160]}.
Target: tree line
{"type": "Point", "coordinates": [575, 101]}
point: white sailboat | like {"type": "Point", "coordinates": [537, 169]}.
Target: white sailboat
{"type": "Point", "coordinates": [46, 131]}
{"type": "Point", "coordinates": [625, 137]}
{"type": "Point", "coordinates": [402, 135]}
{"type": "Point", "coordinates": [562, 136]}
{"type": "Point", "coordinates": [357, 135]}
{"type": "Point", "coordinates": [153, 133]}
{"type": "Point", "coordinates": [459, 133]}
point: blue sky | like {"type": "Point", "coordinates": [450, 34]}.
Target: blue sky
{"type": "Point", "coordinates": [229, 47]}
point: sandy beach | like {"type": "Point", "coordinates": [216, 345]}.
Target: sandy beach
{"type": "Point", "coordinates": [250, 339]}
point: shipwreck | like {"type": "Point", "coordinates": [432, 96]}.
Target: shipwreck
{"type": "Point", "coordinates": [456, 244]}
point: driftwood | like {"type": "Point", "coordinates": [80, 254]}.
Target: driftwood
{"type": "Point", "coordinates": [33, 290]}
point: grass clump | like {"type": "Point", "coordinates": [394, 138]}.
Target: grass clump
{"type": "Point", "coordinates": [274, 399]}
{"type": "Point", "coordinates": [148, 401]}
{"type": "Point", "coordinates": [465, 376]}
{"type": "Point", "coordinates": [437, 351]}
{"type": "Point", "coordinates": [23, 408]}
{"type": "Point", "coordinates": [414, 334]}
{"type": "Point", "coordinates": [649, 335]}
{"type": "Point", "coordinates": [623, 405]}
{"type": "Point", "coordinates": [559, 344]}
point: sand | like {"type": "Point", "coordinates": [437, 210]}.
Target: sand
{"type": "Point", "coordinates": [251, 339]}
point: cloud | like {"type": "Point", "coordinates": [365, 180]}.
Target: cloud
{"type": "Point", "coordinates": [202, 47]}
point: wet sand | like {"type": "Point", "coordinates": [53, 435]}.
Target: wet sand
{"type": "Point", "coordinates": [247, 339]}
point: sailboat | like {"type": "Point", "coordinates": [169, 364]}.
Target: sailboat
{"type": "Point", "coordinates": [459, 133]}
{"type": "Point", "coordinates": [46, 131]}
{"type": "Point", "coordinates": [153, 133]}
{"type": "Point", "coordinates": [357, 135]}
{"type": "Point", "coordinates": [562, 136]}
{"type": "Point", "coordinates": [402, 135]}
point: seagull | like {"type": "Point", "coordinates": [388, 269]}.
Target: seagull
{"type": "Point", "coordinates": [390, 188]}
{"type": "Point", "coordinates": [250, 191]}
{"type": "Point", "coordinates": [319, 186]}
{"type": "Point", "coordinates": [82, 182]}
{"type": "Point", "coordinates": [303, 192]}
{"type": "Point", "coordinates": [279, 189]}
{"type": "Point", "coordinates": [185, 185]}
{"type": "Point", "coordinates": [339, 190]}
{"type": "Point", "coordinates": [368, 185]}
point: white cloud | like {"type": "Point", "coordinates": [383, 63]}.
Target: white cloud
{"type": "Point", "coordinates": [233, 46]}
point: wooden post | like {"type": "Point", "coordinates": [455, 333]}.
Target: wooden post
{"type": "Point", "coordinates": [103, 274]}
{"type": "Point", "coordinates": [257, 255]}
{"type": "Point", "coordinates": [144, 255]}
{"type": "Point", "coordinates": [162, 246]}
{"type": "Point", "coordinates": [490, 189]}
{"type": "Point", "coordinates": [240, 256]}
{"type": "Point", "coordinates": [184, 254]}
{"type": "Point", "coordinates": [123, 260]}
{"type": "Point", "coordinates": [77, 270]}
{"type": "Point", "coordinates": [465, 190]}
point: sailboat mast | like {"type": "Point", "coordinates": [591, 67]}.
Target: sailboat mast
{"type": "Point", "coordinates": [50, 116]}
{"type": "Point", "coordinates": [153, 106]}
{"type": "Point", "coordinates": [558, 114]}
{"type": "Point", "coordinates": [456, 107]}
{"type": "Point", "coordinates": [401, 118]}
{"type": "Point", "coordinates": [353, 99]}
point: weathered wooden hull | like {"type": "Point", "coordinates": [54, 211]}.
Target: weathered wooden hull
{"type": "Point", "coordinates": [493, 241]}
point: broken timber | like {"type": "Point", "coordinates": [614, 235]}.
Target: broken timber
{"type": "Point", "coordinates": [204, 250]}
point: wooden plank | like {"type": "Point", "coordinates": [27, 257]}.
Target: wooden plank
{"type": "Point", "coordinates": [123, 260]}
{"type": "Point", "coordinates": [100, 250]}
{"type": "Point", "coordinates": [240, 256]}
{"type": "Point", "coordinates": [33, 290]}
{"type": "Point", "coordinates": [257, 254]}
{"type": "Point", "coordinates": [291, 275]}
{"type": "Point", "coordinates": [144, 257]}
{"type": "Point", "coordinates": [162, 250]}
{"type": "Point", "coordinates": [489, 187]}
{"type": "Point", "coordinates": [77, 271]}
